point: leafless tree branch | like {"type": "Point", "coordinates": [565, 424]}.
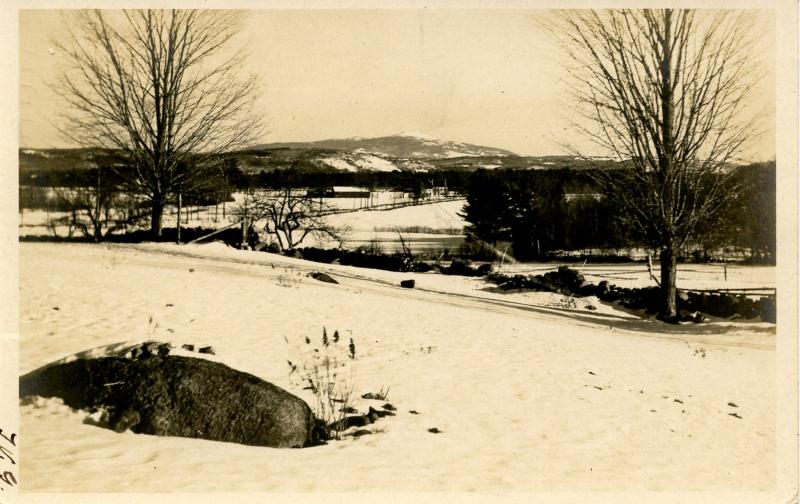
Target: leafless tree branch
{"type": "Point", "coordinates": [161, 87]}
{"type": "Point", "coordinates": [289, 215]}
{"type": "Point", "coordinates": [664, 91]}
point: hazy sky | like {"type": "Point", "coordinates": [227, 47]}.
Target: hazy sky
{"type": "Point", "coordinates": [484, 77]}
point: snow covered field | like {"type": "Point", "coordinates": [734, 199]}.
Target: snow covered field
{"type": "Point", "coordinates": [361, 225]}
{"type": "Point", "coordinates": [531, 391]}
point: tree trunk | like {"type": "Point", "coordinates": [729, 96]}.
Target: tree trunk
{"type": "Point", "coordinates": [669, 270]}
{"type": "Point", "coordinates": [156, 215]}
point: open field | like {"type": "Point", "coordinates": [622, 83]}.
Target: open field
{"type": "Point", "coordinates": [362, 226]}
{"type": "Point", "coordinates": [531, 391]}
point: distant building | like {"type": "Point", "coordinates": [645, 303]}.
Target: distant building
{"type": "Point", "coordinates": [339, 192]}
{"type": "Point", "coordinates": [437, 192]}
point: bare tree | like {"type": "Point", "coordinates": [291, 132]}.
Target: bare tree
{"type": "Point", "coordinates": [665, 91]}
{"type": "Point", "coordinates": [289, 215]}
{"type": "Point", "coordinates": [95, 201]}
{"type": "Point", "coordinates": [97, 211]}
{"type": "Point", "coordinates": [86, 202]}
{"type": "Point", "coordinates": [162, 88]}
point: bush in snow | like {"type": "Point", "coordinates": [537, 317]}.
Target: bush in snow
{"type": "Point", "coordinates": [322, 367]}
{"type": "Point", "coordinates": [570, 282]}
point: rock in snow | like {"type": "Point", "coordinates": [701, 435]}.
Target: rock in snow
{"type": "Point", "coordinates": [179, 396]}
{"type": "Point", "coordinates": [322, 277]}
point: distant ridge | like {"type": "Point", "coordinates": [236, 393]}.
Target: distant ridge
{"type": "Point", "coordinates": [401, 146]}
{"type": "Point", "coordinates": [402, 152]}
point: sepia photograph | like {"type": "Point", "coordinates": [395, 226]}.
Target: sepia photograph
{"type": "Point", "coordinates": [409, 251]}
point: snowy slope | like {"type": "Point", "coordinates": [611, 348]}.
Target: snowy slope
{"type": "Point", "coordinates": [358, 161]}
{"type": "Point", "coordinates": [530, 393]}
{"type": "Point", "coordinates": [441, 215]}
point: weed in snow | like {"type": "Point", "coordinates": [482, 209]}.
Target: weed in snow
{"type": "Point", "coordinates": [323, 370]}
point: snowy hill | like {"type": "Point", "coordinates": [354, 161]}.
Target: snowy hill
{"type": "Point", "coordinates": [402, 145]}
{"type": "Point", "coordinates": [550, 394]}
{"type": "Point", "coordinates": [357, 161]}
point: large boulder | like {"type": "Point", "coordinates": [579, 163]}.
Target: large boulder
{"type": "Point", "coordinates": [485, 269]}
{"type": "Point", "coordinates": [605, 290]}
{"type": "Point", "coordinates": [179, 396]}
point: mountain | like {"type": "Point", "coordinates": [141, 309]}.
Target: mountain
{"type": "Point", "coordinates": [400, 146]}
{"type": "Point", "coordinates": [405, 152]}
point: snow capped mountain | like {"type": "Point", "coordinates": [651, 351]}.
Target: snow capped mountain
{"type": "Point", "coordinates": [406, 152]}
{"type": "Point", "coordinates": [402, 146]}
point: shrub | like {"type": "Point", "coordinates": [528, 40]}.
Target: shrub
{"type": "Point", "coordinates": [321, 370]}
{"type": "Point", "coordinates": [364, 259]}
{"type": "Point", "coordinates": [465, 269]}
{"type": "Point", "coordinates": [570, 282]}
{"type": "Point", "coordinates": [768, 309]}
{"type": "Point", "coordinates": [564, 281]}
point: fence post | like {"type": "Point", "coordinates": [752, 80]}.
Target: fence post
{"type": "Point", "coordinates": [243, 245]}
{"type": "Point", "coordinates": [179, 218]}
{"type": "Point", "coordinates": [650, 269]}
{"type": "Point", "coordinates": [98, 232]}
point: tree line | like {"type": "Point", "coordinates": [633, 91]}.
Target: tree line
{"type": "Point", "coordinates": [536, 212]}
{"type": "Point", "coordinates": [539, 213]}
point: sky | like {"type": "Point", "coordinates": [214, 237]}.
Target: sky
{"type": "Point", "coordinates": [488, 77]}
